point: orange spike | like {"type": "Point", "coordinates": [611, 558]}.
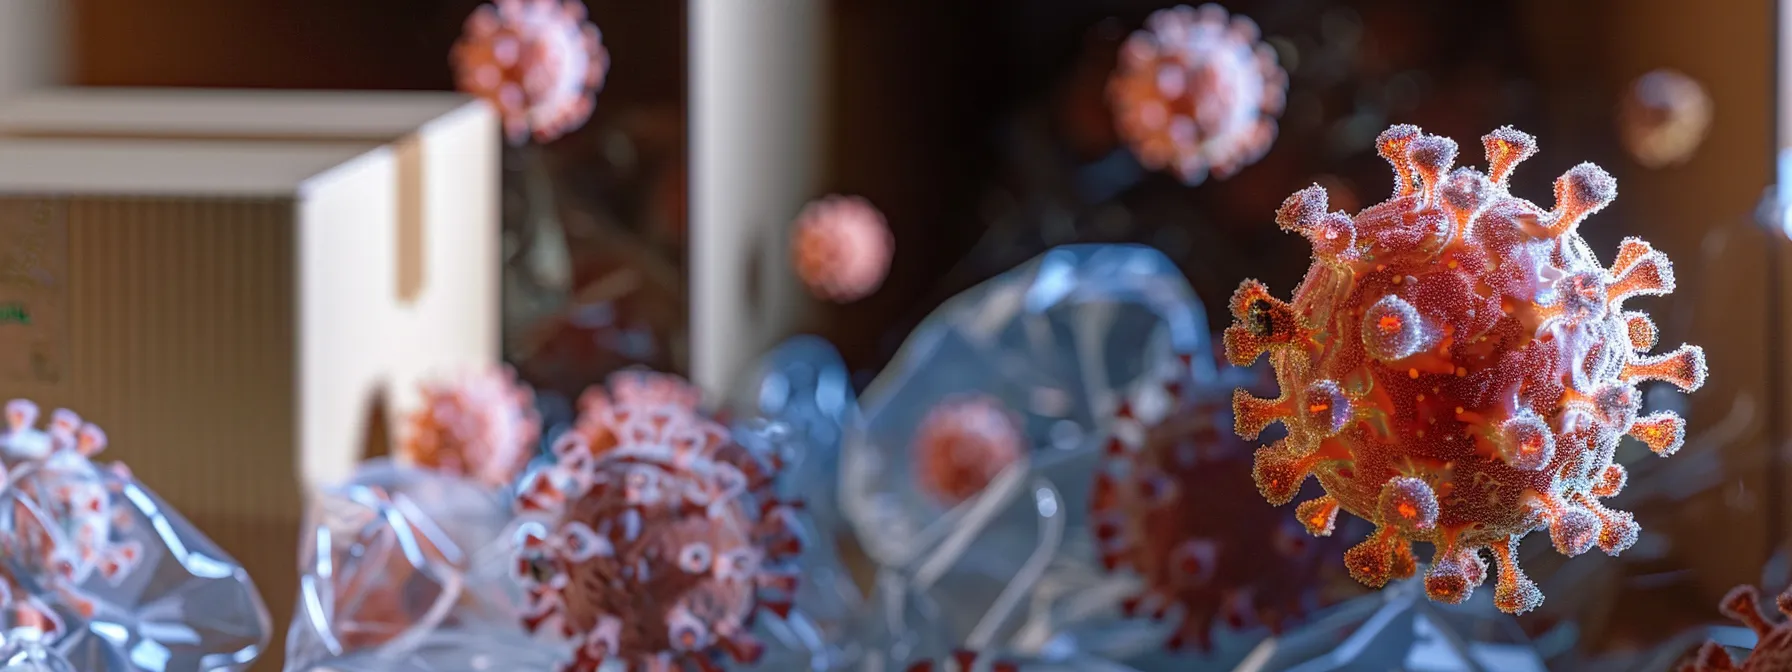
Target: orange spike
{"type": "Point", "coordinates": [1319, 515]}
{"type": "Point", "coordinates": [1611, 480]}
{"type": "Point", "coordinates": [1392, 145]}
{"type": "Point", "coordinates": [1455, 571]}
{"type": "Point", "coordinates": [1372, 562]}
{"type": "Point", "coordinates": [1506, 148]}
{"type": "Point", "coordinates": [1514, 593]}
{"type": "Point", "coordinates": [1432, 156]}
{"type": "Point", "coordinates": [1261, 322]}
{"type": "Point", "coordinates": [1641, 331]}
{"type": "Point", "coordinates": [1630, 250]}
{"type": "Point", "coordinates": [1662, 431]}
{"type": "Point", "coordinates": [1743, 603]}
{"type": "Point", "coordinates": [1652, 275]}
{"type": "Point", "coordinates": [1583, 190]}
{"type": "Point", "coordinates": [1251, 414]}
{"type": "Point", "coordinates": [1684, 367]}
{"type": "Point", "coordinates": [1279, 473]}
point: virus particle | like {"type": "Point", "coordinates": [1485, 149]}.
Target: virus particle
{"type": "Point", "coordinates": [840, 247]}
{"type": "Point", "coordinates": [629, 391]}
{"type": "Point", "coordinates": [1773, 647]}
{"type": "Point", "coordinates": [538, 62]}
{"type": "Point", "coordinates": [962, 444]}
{"type": "Point", "coordinates": [482, 426]}
{"type": "Point", "coordinates": [1663, 118]}
{"type": "Point", "coordinates": [1154, 509]}
{"type": "Point", "coordinates": [1197, 93]}
{"type": "Point", "coordinates": [1458, 368]}
{"type": "Point", "coordinates": [59, 522]}
{"type": "Point", "coordinates": [964, 661]}
{"type": "Point", "coordinates": [656, 549]}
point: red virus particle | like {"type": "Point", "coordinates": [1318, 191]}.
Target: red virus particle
{"type": "Point", "coordinates": [964, 661]}
{"type": "Point", "coordinates": [1197, 93]}
{"type": "Point", "coordinates": [1663, 119]}
{"type": "Point", "coordinates": [482, 426]}
{"type": "Point", "coordinates": [538, 62]}
{"type": "Point", "coordinates": [1458, 368]}
{"type": "Point", "coordinates": [62, 522]}
{"type": "Point", "coordinates": [1154, 509]}
{"type": "Point", "coordinates": [840, 247]}
{"type": "Point", "coordinates": [962, 444]}
{"type": "Point", "coordinates": [657, 548]}
{"type": "Point", "coordinates": [1773, 647]}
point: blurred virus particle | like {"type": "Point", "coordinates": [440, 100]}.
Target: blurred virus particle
{"type": "Point", "coordinates": [962, 444]}
{"type": "Point", "coordinates": [964, 661]}
{"type": "Point", "coordinates": [630, 391]}
{"type": "Point", "coordinates": [481, 426]}
{"type": "Point", "coordinates": [1171, 503]}
{"type": "Point", "coordinates": [1773, 647]}
{"type": "Point", "coordinates": [1663, 118]}
{"type": "Point", "coordinates": [840, 247]}
{"type": "Point", "coordinates": [1197, 93]}
{"type": "Point", "coordinates": [59, 522]}
{"type": "Point", "coordinates": [538, 62]}
{"type": "Point", "coordinates": [657, 549]}
{"type": "Point", "coordinates": [1458, 368]}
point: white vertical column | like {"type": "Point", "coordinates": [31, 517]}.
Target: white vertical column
{"type": "Point", "coordinates": [33, 44]}
{"type": "Point", "coordinates": [756, 118]}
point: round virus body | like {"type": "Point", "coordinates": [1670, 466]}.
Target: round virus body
{"type": "Point", "coordinates": [840, 247]}
{"type": "Point", "coordinates": [1773, 641]}
{"type": "Point", "coordinates": [1197, 93]}
{"type": "Point", "coordinates": [657, 548]}
{"type": "Point", "coordinates": [60, 521]}
{"type": "Point", "coordinates": [1166, 506]}
{"type": "Point", "coordinates": [1472, 365]}
{"type": "Point", "coordinates": [538, 62]}
{"type": "Point", "coordinates": [482, 426]}
{"type": "Point", "coordinates": [1663, 118]}
{"type": "Point", "coordinates": [962, 444]}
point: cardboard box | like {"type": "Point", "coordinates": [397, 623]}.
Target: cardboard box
{"type": "Point", "coordinates": [236, 314]}
{"type": "Point", "coordinates": [442, 314]}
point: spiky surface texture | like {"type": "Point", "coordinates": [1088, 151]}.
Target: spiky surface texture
{"type": "Point", "coordinates": [482, 426]}
{"type": "Point", "coordinates": [1458, 368]}
{"type": "Point", "coordinates": [538, 62]}
{"type": "Point", "coordinates": [656, 545]}
{"type": "Point", "coordinates": [59, 525]}
{"type": "Point", "coordinates": [1197, 93]}
{"type": "Point", "coordinates": [840, 247]}
{"type": "Point", "coordinates": [963, 444]}
{"type": "Point", "coordinates": [1773, 641]}
{"type": "Point", "coordinates": [1166, 506]}
{"type": "Point", "coordinates": [1664, 117]}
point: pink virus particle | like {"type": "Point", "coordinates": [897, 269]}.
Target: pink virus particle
{"type": "Point", "coordinates": [840, 248]}
{"type": "Point", "coordinates": [1773, 641]}
{"type": "Point", "coordinates": [1458, 368]}
{"type": "Point", "coordinates": [1663, 118]}
{"type": "Point", "coordinates": [1196, 93]}
{"type": "Point", "coordinates": [538, 62]}
{"type": "Point", "coordinates": [481, 426]}
{"type": "Point", "coordinates": [1171, 504]}
{"type": "Point", "coordinates": [964, 661]}
{"type": "Point", "coordinates": [62, 524]}
{"type": "Point", "coordinates": [962, 444]}
{"type": "Point", "coordinates": [657, 548]}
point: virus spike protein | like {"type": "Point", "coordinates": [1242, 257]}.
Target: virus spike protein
{"type": "Point", "coordinates": [1773, 641]}
{"type": "Point", "coordinates": [657, 548]}
{"type": "Point", "coordinates": [1457, 368]}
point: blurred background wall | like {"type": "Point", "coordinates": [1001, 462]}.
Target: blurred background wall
{"type": "Point", "coordinates": [33, 49]}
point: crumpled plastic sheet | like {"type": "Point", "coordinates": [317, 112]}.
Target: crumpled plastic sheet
{"type": "Point", "coordinates": [185, 605]}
